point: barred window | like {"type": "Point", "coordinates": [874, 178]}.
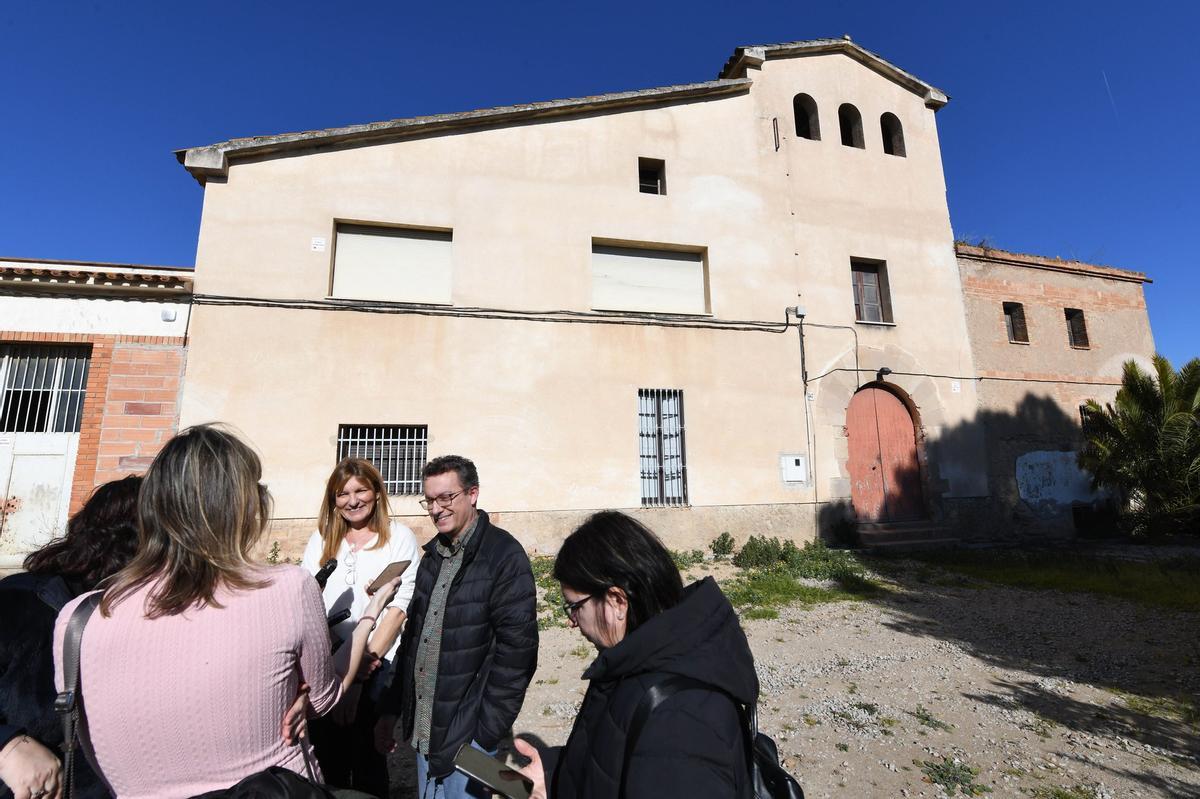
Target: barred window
{"type": "Point", "coordinates": [399, 452]}
{"type": "Point", "coordinates": [660, 437]}
{"type": "Point", "coordinates": [43, 388]}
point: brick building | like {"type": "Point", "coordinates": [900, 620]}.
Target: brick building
{"type": "Point", "coordinates": [91, 363]}
{"type": "Point", "coordinates": [1046, 336]}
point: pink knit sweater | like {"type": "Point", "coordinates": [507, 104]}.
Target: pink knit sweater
{"type": "Point", "coordinates": [184, 704]}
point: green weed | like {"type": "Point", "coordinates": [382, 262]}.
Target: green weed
{"type": "Point", "coordinates": [1078, 792]}
{"type": "Point", "coordinates": [721, 546]}
{"type": "Point", "coordinates": [951, 774]}
{"type": "Point", "coordinates": [927, 719]}
{"type": "Point", "coordinates": [686, 560]}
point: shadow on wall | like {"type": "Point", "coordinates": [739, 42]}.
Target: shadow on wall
{"type": "Point", "coordinates": [836, 524]}
{"type": "Point", "coordinates": [1036, 490]}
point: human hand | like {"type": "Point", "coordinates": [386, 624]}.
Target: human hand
{"type": "Point", "coordinates": [533, 772]}
{"type": "Point", "coordinates": [295, 720]}
{"type": "Point", "coordinates": [385, 735]}
{"type": "Point", "coordinates": [369, 664]}
{"type": "Point", "coordinates": [30, 770]}
{"type": "Point", "coordinates": [345, 711]}
{"type": "Point", "coordinates": [381, 598]}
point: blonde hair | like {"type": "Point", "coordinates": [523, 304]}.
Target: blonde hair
{"type": "Point", "coordinates": [329, 520]}
{"type": "Point", "coordinates": [201, 511]}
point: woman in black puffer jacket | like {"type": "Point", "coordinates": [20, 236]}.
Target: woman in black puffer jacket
{"type": "Point", "coordinates": [624, 593]}
{"type": "Point", "coordinates": [101, 538]}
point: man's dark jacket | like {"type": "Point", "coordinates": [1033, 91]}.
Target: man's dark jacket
{"type": "Point", "coordinates": [693, 744]}
{"type": "Point", "coordinates": [29, 604]}
{"type": "Point", "coordinates": [489, 646]}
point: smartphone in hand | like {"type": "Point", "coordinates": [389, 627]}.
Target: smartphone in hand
{"type": "Point", "coordinates": [390, 573]}
{"type": "Point", "coordinates": [493, 773]}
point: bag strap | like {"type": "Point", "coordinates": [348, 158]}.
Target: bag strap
{"type": "Point", "coordinates": [67, 703]}
{"type": "Point", "coordinates": [660, 692]}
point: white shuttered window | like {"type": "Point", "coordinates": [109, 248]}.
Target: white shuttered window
{"type": "Point", "coordinates": [392, 264]}
{"type": "Point", "coordinates": [654, 281]}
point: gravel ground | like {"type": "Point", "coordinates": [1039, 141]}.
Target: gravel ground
{"type": "Point", "coordinates": [1029, 687]}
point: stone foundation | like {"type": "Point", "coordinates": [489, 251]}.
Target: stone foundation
{"type": "Point", "coordinates": [541, 532]}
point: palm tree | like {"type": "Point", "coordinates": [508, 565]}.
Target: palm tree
{"type": "Point", "coordinates": [1146, 447]}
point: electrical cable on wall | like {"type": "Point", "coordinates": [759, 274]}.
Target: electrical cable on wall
{"type": "Point", "coordinates": [556, 316]}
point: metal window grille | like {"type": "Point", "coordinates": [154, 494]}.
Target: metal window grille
{"type": "Point", "coordinates": [43, 388]}
{"type": "Point", "coordinates": [399, 452]}
{"type": "Point", "coordinates": [660, 440]}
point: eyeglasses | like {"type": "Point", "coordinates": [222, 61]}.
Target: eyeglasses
{"type": "Point", "coordinates": [443, 500]}
{"type": "Point", "coordinates": [571, 608]}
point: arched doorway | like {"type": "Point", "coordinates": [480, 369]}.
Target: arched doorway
{"type": "Point", "coordinates": [885, 476]}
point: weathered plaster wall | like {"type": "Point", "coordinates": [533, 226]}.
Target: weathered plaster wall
{"type": "Point", "coordinates": [1030, 394]}
{"type": "Point", "coordinates": [548, 410]}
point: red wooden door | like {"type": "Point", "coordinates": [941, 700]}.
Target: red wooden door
{"type": "Point", "coordinates": [885, 479]}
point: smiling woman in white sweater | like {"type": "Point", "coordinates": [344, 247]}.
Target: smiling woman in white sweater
{"type": "Point", "coordinates": [354, 528]}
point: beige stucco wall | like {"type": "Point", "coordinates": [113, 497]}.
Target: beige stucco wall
{"type": "Point", "coordinates": [548, 410]}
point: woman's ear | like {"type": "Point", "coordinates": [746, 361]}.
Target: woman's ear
{"type": "Point", "coordinates": [616, 598]}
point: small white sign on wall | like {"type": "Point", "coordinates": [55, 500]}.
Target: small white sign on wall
{"type": "Point", "coordinates": [318, 244]}
{"type": "Point", "coordinates": [955, 387]}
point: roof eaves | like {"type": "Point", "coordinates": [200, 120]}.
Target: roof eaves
{"type": "Point", "coordinates": [213, 160]}
{"type": "Point", "coordinates": [755, 55]}
{"type": "Point", "coordinates": [990, 255]}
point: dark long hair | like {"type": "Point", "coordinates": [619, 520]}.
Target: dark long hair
{"type": "Point", "coordinates": [101, 537]}
{"type": "Point", "coordinates": [612, 550]}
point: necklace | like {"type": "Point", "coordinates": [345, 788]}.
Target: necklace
{"type": "Point", "coordinates": [351, 560]}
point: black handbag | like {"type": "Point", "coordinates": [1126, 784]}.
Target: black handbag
{"type": "Point", "coordinates": [273, 783]}
{"type": "Point", "coordinates": [768, 779]}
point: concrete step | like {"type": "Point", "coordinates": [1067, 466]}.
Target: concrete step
{"type": "Point", "coordinates": [900, 536]}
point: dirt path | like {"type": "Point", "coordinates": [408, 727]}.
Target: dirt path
{"type": "Point", "coordinates": [1029, 687]}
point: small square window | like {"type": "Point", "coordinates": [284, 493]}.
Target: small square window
{"type": "Point", "coordinates": [1076, 329]}
{"type": "Point", "coordinates": [872, 299]}
{"type": "Point", "coordinates": [652, 176]}
{"type": "Point", "coordinates": [1014, 323]}
{"type": "Point", "coordinates": [397, 451]}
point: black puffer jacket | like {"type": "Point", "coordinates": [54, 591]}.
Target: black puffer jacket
{"type": "Point", "coordinates": [489, 646]}
{"type": "Point", "coordinates": [29, 605]}
{"type": "Point", "coordinates": [692, 745]}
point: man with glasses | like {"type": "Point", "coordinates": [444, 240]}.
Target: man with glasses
{"type": "Point", "coordinates": [469, 648]}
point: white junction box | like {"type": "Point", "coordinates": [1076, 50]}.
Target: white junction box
{"type": "Point", "coordinates": [794, 467]}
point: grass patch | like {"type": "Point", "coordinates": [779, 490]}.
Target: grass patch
{"type": "Point", "coordinates": [927, 719]}
{"type": "Point", "coordinates": [549, 605]}
{"type": "Point", "coordinates": [759, 593]}
{"type": "Point", "coordinates": [1078, 792]}
{"type": "Point", "coordinates": [1173, 583]}
{"type": "Point", "coordinates": [953, 774]}
{"type": "Point", "coordinates": [1162, 707]}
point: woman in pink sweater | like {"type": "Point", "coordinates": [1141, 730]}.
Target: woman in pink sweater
{"type": "Point", "coordinates": [198, 650]}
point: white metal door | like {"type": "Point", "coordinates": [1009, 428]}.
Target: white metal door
{"type": "Point", "coordinates": [40, 408]}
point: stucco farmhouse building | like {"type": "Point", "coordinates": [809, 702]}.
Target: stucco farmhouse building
{"type": "Point", "coordinates": [734, 305]}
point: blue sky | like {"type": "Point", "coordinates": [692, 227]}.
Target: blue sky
{"type": "Point", "coordinates": [1071, 131]}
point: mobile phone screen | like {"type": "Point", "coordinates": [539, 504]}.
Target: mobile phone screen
{"type": "Point", "coordinates": [391, 572]}
{"type": "Point", "coordinates": [484, 768]}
